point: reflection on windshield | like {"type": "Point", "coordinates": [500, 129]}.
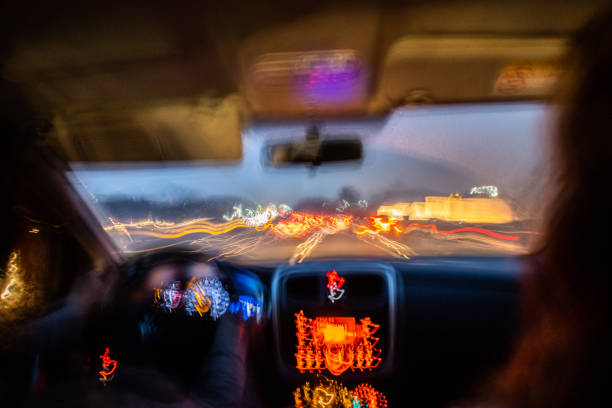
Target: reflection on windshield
{"type": "Point", "coordinates": [434, 181]}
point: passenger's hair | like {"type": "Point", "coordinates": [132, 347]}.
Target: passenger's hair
{"type": "Point", "coordinates": [560, 359]}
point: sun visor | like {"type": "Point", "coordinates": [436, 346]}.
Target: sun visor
{"type": "Point", "coordinates": [207, 129]}
{"type": "Point", "coordinates": [444, 69]}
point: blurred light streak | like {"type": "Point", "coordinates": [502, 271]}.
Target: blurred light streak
{"type": "Point", "coordinates": [21, 292]}
{"type": "Point", "coordinates": [484, 241]}
{"type": "Point", "coordinates": [434, 229]}
{"type": "Point", "coordinates": [258, 216]}
{"type": "Point", "coordinates": [391, 224]}
{"type": "Point", "coordinates": [231, 245]}
{"type": "Point", "coordinates": [12, 275]}
{"type": "Point", "coordinates": [305, 248]}
{"type": "Point", "coordinates": [115, 225]}
{"type": "Point", "coordinates": [203, 227]}
{"type": "Point", "coordinates": [157, 248]}
{"type": "Point", "coordinates": [378, 225]}
{"type": "Point", "coordinates": [18, 293]}
{"type": "Point", "coordinates": [395, 248]}
{"type": "Point", "coordinates": [298, 225]}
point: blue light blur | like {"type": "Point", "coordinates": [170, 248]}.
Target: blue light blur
{"type": "Point", "coordinates": [248, 306]}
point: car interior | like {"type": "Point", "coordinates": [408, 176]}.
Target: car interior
{"type": "Point", "coordinates": [273, 204]}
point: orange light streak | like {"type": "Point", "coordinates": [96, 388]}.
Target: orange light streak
{"type": "Point", "coordinates": [202, 302]}
{"type": "Point", "coordinates": [207, 228]}
{"type": "Point", "coordinates": [298, 225]}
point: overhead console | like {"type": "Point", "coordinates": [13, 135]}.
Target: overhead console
{"type": "Point", "coordinates": [336, 319]}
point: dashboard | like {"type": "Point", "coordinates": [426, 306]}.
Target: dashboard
{"type": "Point", "coordinates": [328, 333]}
{"type": "Point", "coordinates": [435, 327]}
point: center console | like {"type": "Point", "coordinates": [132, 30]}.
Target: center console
{"type": "Point", "coordinates": [337, 319]}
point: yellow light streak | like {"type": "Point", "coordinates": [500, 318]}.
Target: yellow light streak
{"type": "Point", "coordinates": [19, 295]}
{"type": "Point", "coordinates": [14, 284]}
{"type": "Point", "coordinates": [167, 231]}
{"type": "Point", "coordinates": [210, 231]}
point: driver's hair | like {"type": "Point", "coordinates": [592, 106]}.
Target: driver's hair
{"type": "Point", "coordinates": [561, 359]}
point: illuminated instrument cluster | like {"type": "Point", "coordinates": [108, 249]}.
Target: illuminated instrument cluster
{"type": "Point", "coordinates": [203, 297]}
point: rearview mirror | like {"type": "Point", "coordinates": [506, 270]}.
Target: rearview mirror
{"type": "Point", "coordinates": [313, 151]}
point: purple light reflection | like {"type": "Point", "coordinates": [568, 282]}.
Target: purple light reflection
{"type": "Point", "coordinates": [329, 79]}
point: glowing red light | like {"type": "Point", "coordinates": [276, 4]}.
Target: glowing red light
{"type": "Point", "coordinates": [333, 280]}
{"type": "Point", "coordinates": [334, 283]}
{"type": "Point", "coordinates": [108, 366]}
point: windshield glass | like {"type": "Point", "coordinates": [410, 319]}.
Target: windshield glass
{"type": "Point", "coordinates": [444, 180]}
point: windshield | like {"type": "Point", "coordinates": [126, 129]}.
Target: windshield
{"type": "Point", "coordinates": [445, 180]}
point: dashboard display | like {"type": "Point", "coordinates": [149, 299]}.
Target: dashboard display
{"type": "Point", "coordinates": [336, 344]}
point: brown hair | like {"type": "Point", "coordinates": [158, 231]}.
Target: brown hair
{"type": "Point", "coordinates": [560, 359]}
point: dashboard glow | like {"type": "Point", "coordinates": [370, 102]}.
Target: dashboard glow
{"type": "Point", "coordinates": [322, 393]}
{"type": "Point", "coordinates": [336, 344]}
